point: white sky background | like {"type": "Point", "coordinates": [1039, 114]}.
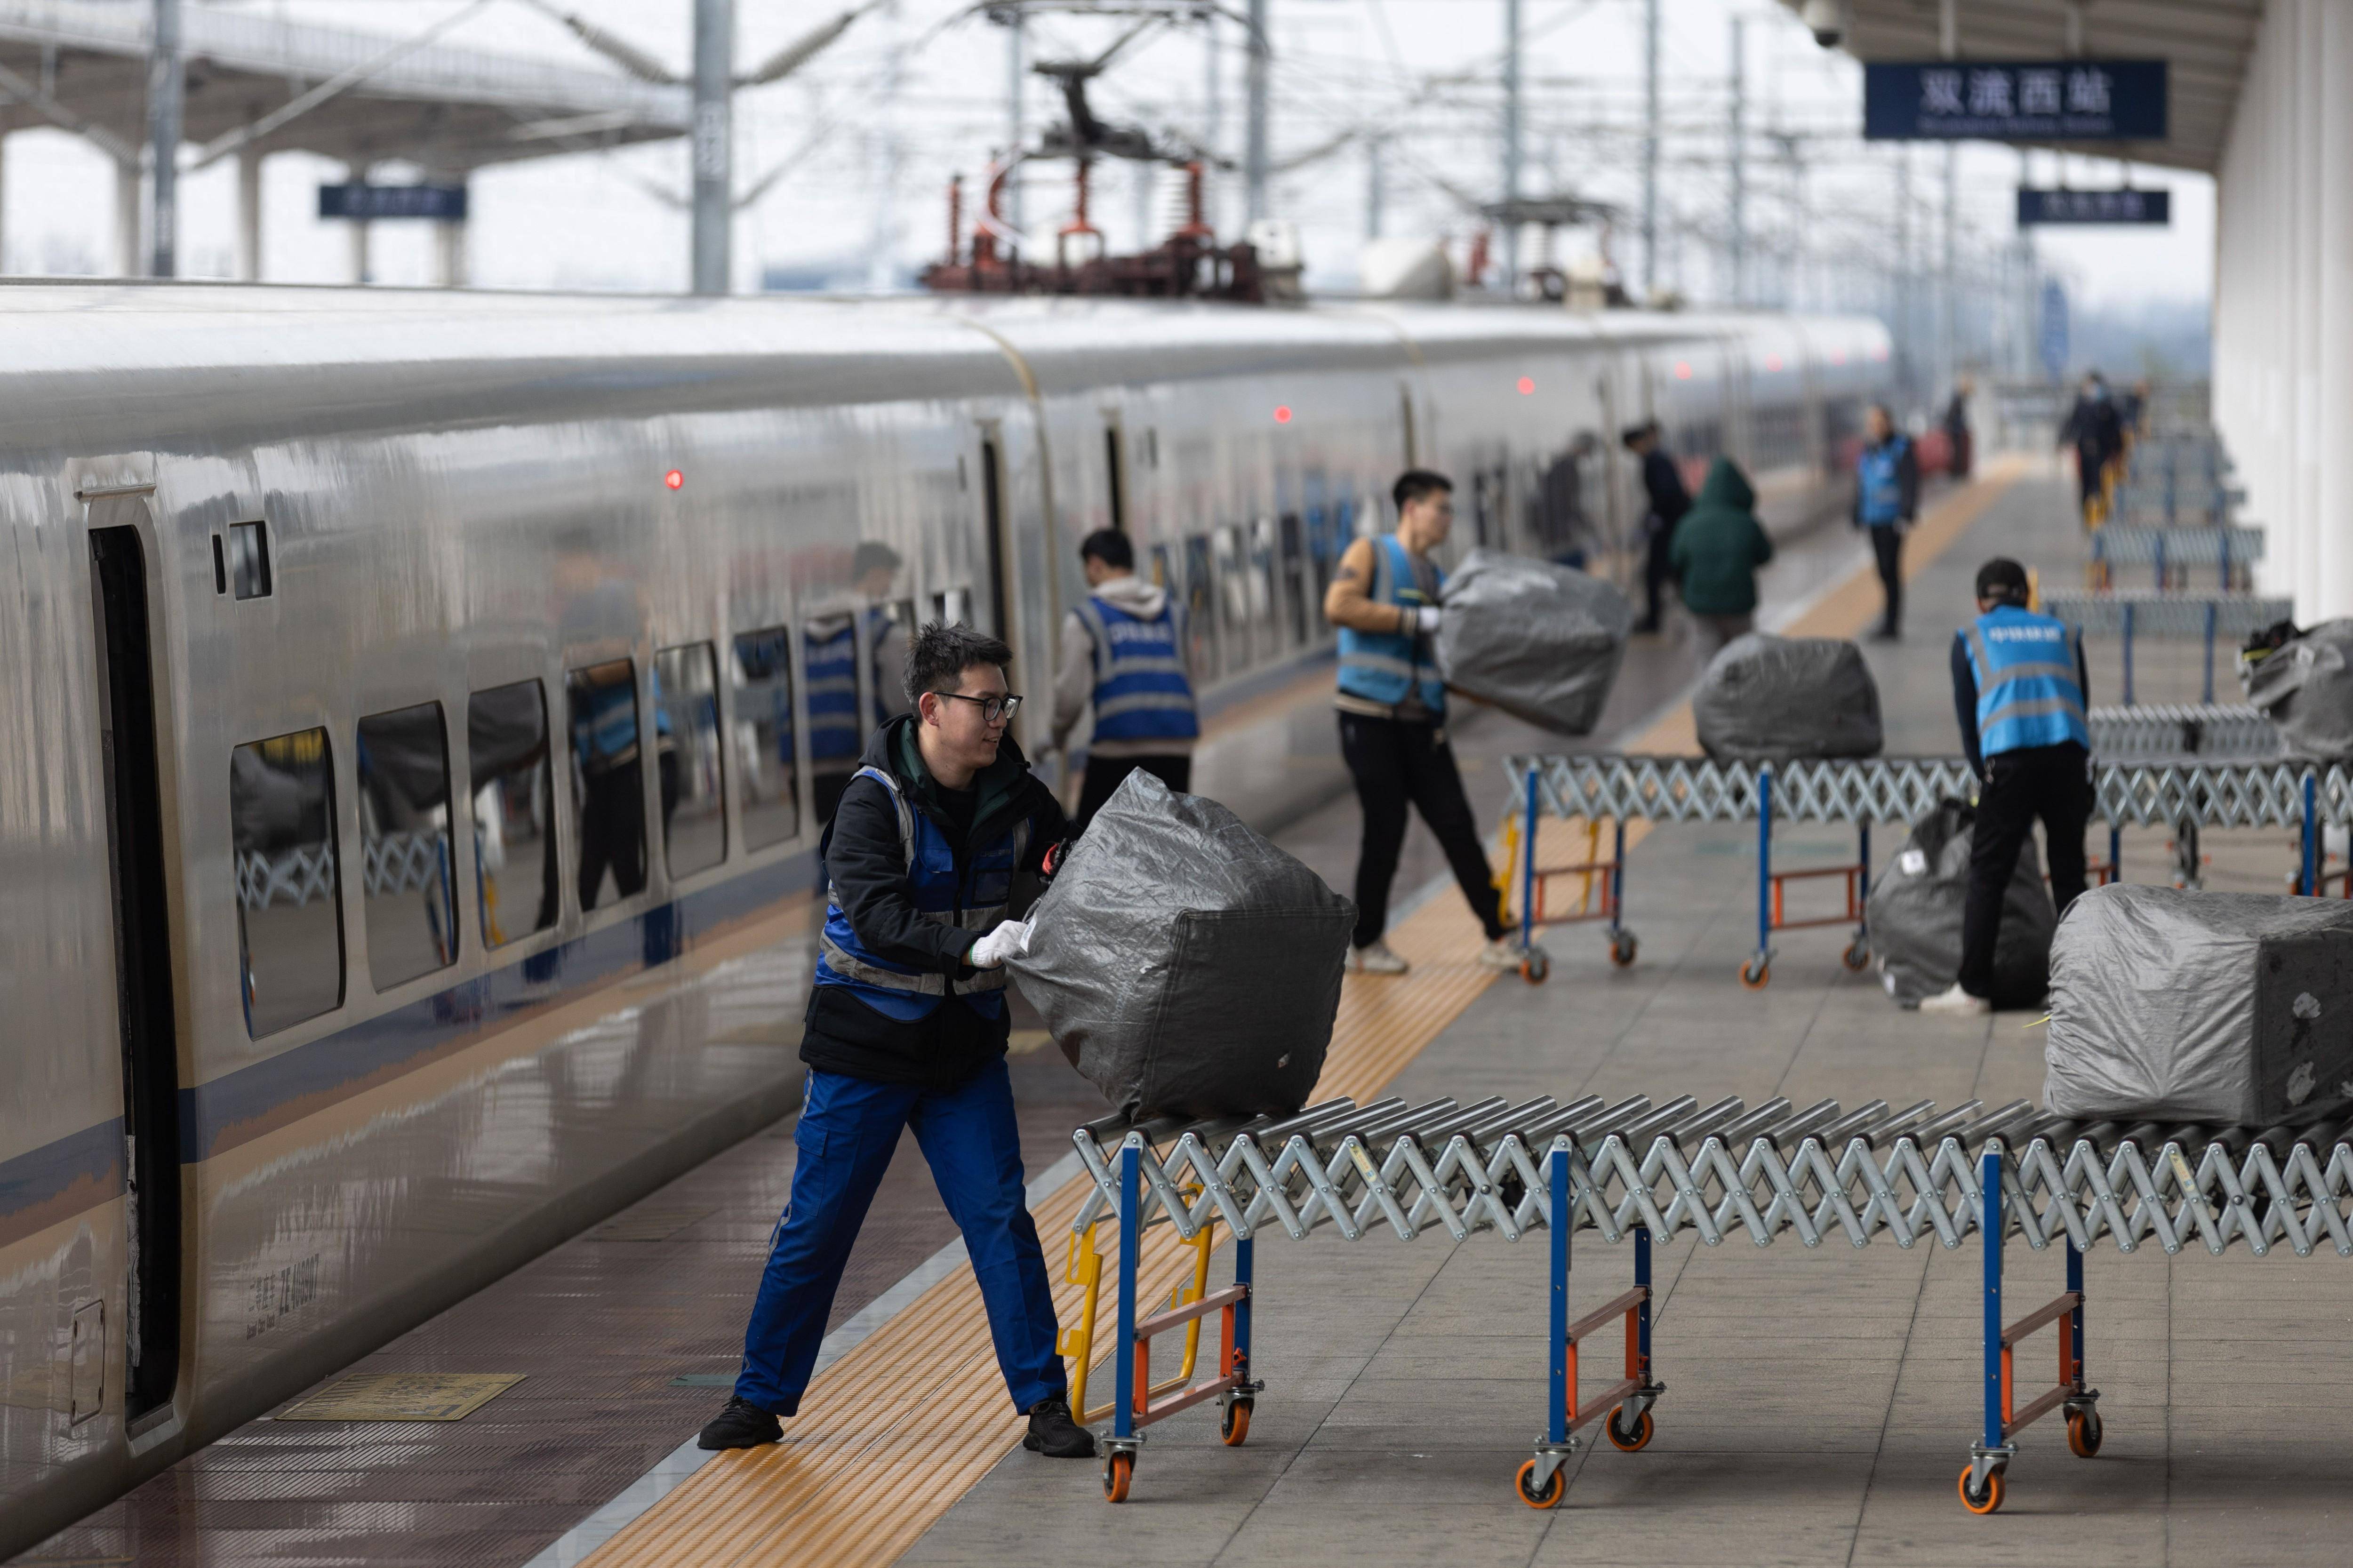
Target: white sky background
{"type": "Point", "coordinates": [1425, 71]}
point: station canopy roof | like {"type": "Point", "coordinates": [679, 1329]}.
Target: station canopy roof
{"type": "Point", "coordinates": [445, 106]}
{"type": "Point", "coordinates": [2205, 43]}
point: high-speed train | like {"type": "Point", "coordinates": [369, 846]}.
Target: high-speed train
{"type": "Point", "coordinates": [417, 709]}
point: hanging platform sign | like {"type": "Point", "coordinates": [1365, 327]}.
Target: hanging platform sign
{"type": "Point", "coordinates": [2037, 208]}
{"type": "Point", "coordinates": [2053, 100]}
{"type": "Point", "coordinates": [443, 204]}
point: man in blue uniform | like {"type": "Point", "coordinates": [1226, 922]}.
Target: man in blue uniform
{"type": "Point", "coordinates": [1886, 501]}
{"type": "Point", "coordinates": [1384, 599]}
{"type": "Point", "coordinates": [830, 659]}
{"type": "Point", "coordinates": [940, 837]}
{"type": "Point", "coordinates": [2017, 691]}
{"type": "Point", "coordinates": [1125, 651]}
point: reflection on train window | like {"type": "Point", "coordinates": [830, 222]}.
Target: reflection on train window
{"type": "Point", "coordinates": [290, 919]}
{"type": "Point", "coordinates": [1294, 579]}
{"type": "Point", "coordinates": [686, 754]}
{"type": "Point", "coordinates": [1163, 570]}
{"type": "Point", "coordinates": [1260, 578]}
{"type": "Point", "coordinates": [249, 559]}
{"type": "Point", "coordinates": [892, 629]}
{"type": "Point", "coordinates": [608, 783]}
{"type": "Point", "coordinates": [766, 775]}
{"type": "Point", "coordinates": [1200, 607]}
{"type": "Point", "coordinates": [1233, 598]}
{"type": "Point", "coordinates": [514, 811]}
{"type": "Point", "coordinates": [953, 607]}
{"type": "Point", "coordinates": [829, 687]}
{"type": "Point", "coordinates": [412, 902]}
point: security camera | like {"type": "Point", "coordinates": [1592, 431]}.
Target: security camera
{"type": "Point", "coordinates": [1826, 19]}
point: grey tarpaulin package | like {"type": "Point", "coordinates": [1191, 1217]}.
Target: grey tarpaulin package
{"type": "Point", "coordinates": [2198, 1006]}
{"type": "Point", "coordinates": [1185, 965]}
{"type": "Point", "coordinates": [2306, 686]}
{"type": "Point", "coordinates": [1765, 698]}
{"type": "Point", "coordinates": [1542, 642]}
{"type": "Point", "coordinates": [1915, 915]}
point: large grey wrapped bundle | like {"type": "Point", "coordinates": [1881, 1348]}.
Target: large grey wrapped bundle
{"type": "Point", "coordinates": [2306, 686]}
{"type": "Point", "coordinates": [1765, 698]}
{"type": "Point", "coordinates": [1185, 965]}
{"type": "Point", "coordinates": [2195, 1007]}
{"type": "Point", "coordinates": [1541, 642]}
{"type": "Point", "coordinates": [1915, 915]}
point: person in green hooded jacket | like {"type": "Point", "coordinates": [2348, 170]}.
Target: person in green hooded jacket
{"type": "Point", "coordinates": [1717, 547]}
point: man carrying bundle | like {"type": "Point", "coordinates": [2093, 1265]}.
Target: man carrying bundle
{"type": "Point", "coordinates": [936, 833]}
{"type": "Point", "coordinates": [1392, 703]}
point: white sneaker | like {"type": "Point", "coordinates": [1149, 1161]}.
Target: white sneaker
{"type": "Point", "coordinates": [1376, 959]}
{"type": "Point", "coordinates": [1955, 1001]}
{"type": "Point", "coordinates": [1506, 953]}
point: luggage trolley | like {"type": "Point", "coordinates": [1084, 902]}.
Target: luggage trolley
{"type": "Point", "coordinates": [2183, 795]}
{"type": "Point", "coordinates": [1631, 1171]}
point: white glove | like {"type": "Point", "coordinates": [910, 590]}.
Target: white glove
{"type": "Point", "coordinates": [1426, 618]}
{"type": "Point", "coordinates": [1008, 940]}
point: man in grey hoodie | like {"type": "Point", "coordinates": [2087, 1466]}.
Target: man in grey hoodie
{"type": "Point", "coordinates": [1126, 650]}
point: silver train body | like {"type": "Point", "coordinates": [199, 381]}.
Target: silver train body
{"type": "Point", "coordinates": [337, 628]}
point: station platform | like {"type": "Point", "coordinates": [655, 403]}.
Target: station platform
{"type": "Point", "coordinates": [1815, 1396]}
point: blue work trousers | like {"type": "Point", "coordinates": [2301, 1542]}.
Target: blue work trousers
{"type": "Point", "coordinates": [849, 1129]}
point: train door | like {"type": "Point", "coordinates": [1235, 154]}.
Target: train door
{"type": "Point", "coordinates": [995, 541]}
{"type": "Point", "coordinates": [143, 954]}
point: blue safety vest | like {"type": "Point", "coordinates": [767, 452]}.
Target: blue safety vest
{"type": "Point", "coordinates": [1141, 689]}
{"type": "Point", "coordinates": [1879, 481]}
{"type": "Point", "coordinates": [604, 726]}
{"type": "Point", "coordinates": [1384, 667]}
{"type": "Point", "coordinates": [2028, 693]}
{"type": "Point", "coordinates": [977, 901]}
{"type": "Point", "coordinates": [830, 667]}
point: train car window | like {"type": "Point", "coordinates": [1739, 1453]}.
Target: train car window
{"type": "Point", "coordinates": [406, 864]}
{"type": "Point", "coordinates": [953, 607]}
{"type": "Point", "coordinates": [608, 781]}
{"type": "Point", "coordinates": [993, 511]}
{"type": "Point", "coordinates": [891, 633]}
{"type": "Point", "coordinates": [687, 758]}
{"type": "Point", "coordinates": [249, 559]}
{"type": "Point", "coordinates": [765, 773]}
{"type": "Point", "coordinates": [1233, 597]}
{"type": "Point", "coordinates": [514, 811]}
{"type": "Point", "coordinates": [290, 919]}
{"type": "Point", "coordinates": [1483, 503]}
{"type": "Point", "coordinates": [1200, 607]}
{"type": "Point", "coordinates": [1164, 570]}
{"type": "Point", "coordinates": [1293, 577]}
{"type": "Point", "coordinates": [220, 565]}
{"type": "Point", "coordinates": [1118, 489]}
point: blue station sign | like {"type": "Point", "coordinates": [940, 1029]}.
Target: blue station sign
{"type": "Point", "coordinates": [443, 204]}
{"type": "Point", "coordinates": [2049, 100]}
{"type": "Point", "coordinates": [2036, 208]}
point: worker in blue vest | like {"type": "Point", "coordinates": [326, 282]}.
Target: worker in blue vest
{"type": "Point", "coordinates": [829, 665]}
{"type": "Point", "coordinates": [2019, 686]}
{"type": "Point", "coordinates": [1887, 501]}
{"type": "Point", "coordinates": [1126, 650]}
{"type": "Point", "coordinates": [609, 781]}
{"type": "Point", "coordinates": [1392, 702]}
{"type": "Point", "coordinates": [942, 838]}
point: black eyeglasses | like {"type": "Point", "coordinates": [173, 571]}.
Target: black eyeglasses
{"type": "Point", "coordinates": [992, 709]}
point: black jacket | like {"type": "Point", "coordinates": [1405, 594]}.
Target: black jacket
{"type": "Point", "coordinates": [862, 861]}
{"type": "Point", "coordinates": [1669, 499]}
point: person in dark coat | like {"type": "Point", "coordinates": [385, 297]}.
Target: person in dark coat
{"type": "Point", "coordinates": [2096, 430]}
{"type": "Point", "coordinates": [1960, 443]}
{"type": "Point", "coordinates": [1717, 548]}
{"type": "Point", "coordinates": [1669, 501]}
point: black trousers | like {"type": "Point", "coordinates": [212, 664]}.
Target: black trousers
{"type": "Point", "coordinates": [1658, 566]}
{"type": "Point", "coordinates": [1396, 764]}
{"type": "Point", "coordinates": [612, 831]}
{"type": "Point", "coordinates": [1887, 549]}
{"type": "Point", "coordinates": [2048, 782]}
{"type": "Point", "coordinates": [1106, 774]}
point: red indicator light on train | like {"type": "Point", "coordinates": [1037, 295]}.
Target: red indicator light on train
{"type": "Point", "coordinates": [674, 478]}
{"type": "Point", "coordinates": [1682, 370]}
{"type": "Point", "coordinates": [1527, 384]}
{"type": "Point", "coordinates": [1838, 356]}
{"type": "Point", "coordinates": [1283, 414]}
{"type": "Point", "coordinates": [1772, 361]}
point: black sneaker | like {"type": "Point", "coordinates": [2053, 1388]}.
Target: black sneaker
{"type": "Point", "coordinates": [1054, 1434]}
{"type": "Point", "coordinates": [742, 1425]}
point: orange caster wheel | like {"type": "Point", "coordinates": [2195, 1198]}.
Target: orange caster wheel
{"type": "Point", "coordinates": [1631, 1441]}
{"type": "Point", "coordinates": [1534, 968]}
{"type": "Point", "coordinates": [1622, 948]}
{"type": "Point", "coordinates": [2084, 1433]}
{"type": "Point", "coordinates": [1554, 1489]}
{"type": "Point", "coordinates": [1233, 1424]}
{"type": "Point", "coordinates": [1119, 1469]}
{"type": "Point", "coordinates": [1755, 974]}
{"type": "Point", "coordinates": [1985, 1501]}
{"type": "Point", "coordinates": [1857, 955]}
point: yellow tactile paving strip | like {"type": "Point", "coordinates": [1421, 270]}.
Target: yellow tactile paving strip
{"type": "Point", "coordinates": [892, 1434]}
